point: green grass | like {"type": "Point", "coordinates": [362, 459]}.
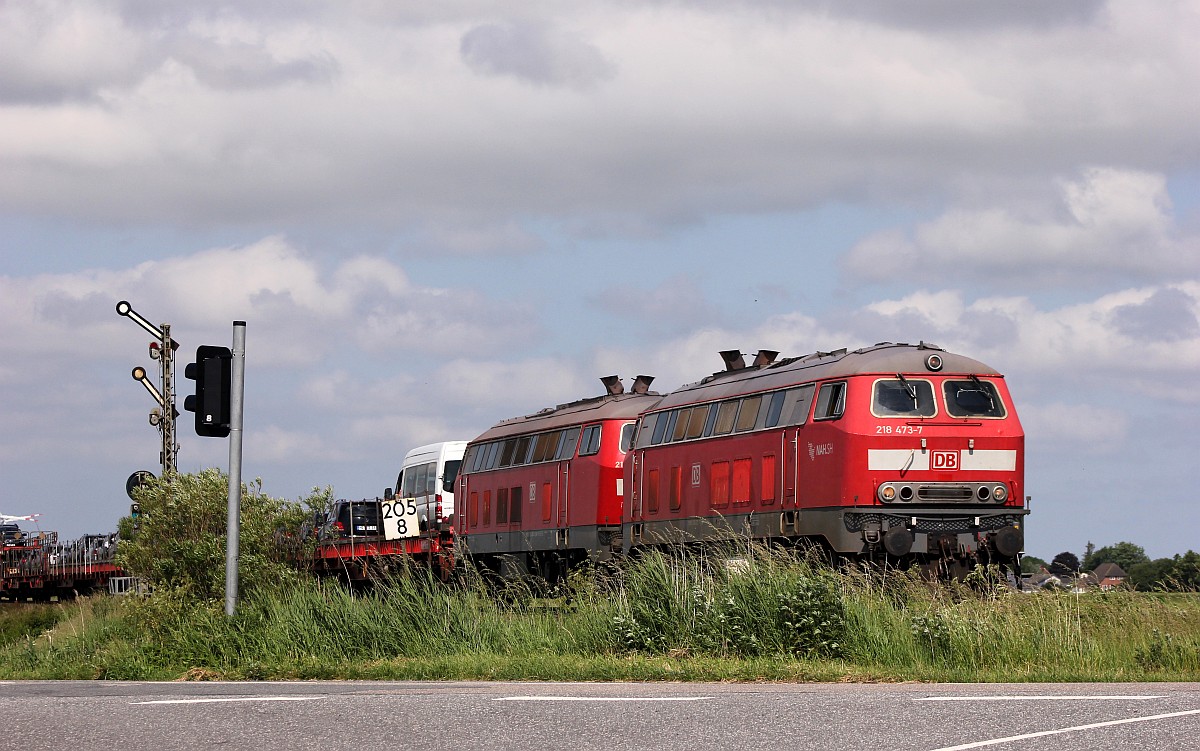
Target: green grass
{"type": "Point", "coordinates": [765, 616]}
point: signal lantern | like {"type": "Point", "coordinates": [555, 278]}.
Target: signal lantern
{"type": "Point", "coordinates": [213, 374]}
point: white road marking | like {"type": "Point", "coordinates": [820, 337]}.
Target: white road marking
{"type": "Point", "coordinates": [1030, 697]}
{"type": "Point", "coordinates": [1077, 728]}
{"type": "Point", "coordinates": [230, 699]}
{"type": "Point", "coordinates": [602, 698]}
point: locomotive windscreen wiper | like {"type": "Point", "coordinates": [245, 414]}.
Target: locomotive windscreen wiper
{"type": "Point", "coordinates": [909, 389]}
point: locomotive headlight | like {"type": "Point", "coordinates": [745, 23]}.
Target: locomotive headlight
{"type": "Point", "coordinates": [887, 493]}
{"type": "Point", "coordinates": [1000, 493]}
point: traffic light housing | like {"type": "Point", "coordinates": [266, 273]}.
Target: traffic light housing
{"type": "Point", "coordinates": [213, 374]}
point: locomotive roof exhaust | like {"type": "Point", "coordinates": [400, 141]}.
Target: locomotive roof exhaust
{"type": "Point", "coordinates": [765, 357]}
{"type": "Point", "coordinates": [613, 384]}
{"type": "Point", "coordinates": [735, 361]}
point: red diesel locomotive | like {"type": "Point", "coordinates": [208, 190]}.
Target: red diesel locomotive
{"type": "Point", "coordinates": [903, 450]}
{"type": "Point", "coordinates": [537, 494]}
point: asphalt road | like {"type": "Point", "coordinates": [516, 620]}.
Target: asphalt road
{"type": "Point", "coordinates": [659, 716]}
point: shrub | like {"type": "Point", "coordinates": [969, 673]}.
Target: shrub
{"type": "Point", "coordinates": [179, 540]}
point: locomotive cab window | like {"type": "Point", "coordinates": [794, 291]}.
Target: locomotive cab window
{"type": "Point", "coordinates": [591, 441]}
{"type": "Point", "coordinates": [903, 397]}
{"type": "Point", "coordinates": [645, 431]}
{"type": "Point", "coordinates": [627, 431]}
{"type": "Point", "coordinates": [973, 398]}
{"type": "Point", "coordinates": [831, 401]}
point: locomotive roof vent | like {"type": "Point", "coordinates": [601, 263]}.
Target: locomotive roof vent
{"type": "Point", "coordinates": [765, 357]}
{"type": "Point", "coordinates": [641, 384]}
{"type": "Point", "coordinates": [613, 384]}
{"type": "Point", "coordinates": [733, 359]}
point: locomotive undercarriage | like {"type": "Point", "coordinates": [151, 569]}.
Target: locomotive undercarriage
{"type": "Point", "coordinates": [947, 542]}
{"type": "Point", "coordinates": [548, 554]}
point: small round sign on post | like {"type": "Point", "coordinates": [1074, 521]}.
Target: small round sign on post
{"type": "Point", "coordinates": [136, 480]}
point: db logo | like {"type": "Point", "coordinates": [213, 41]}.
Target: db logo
{"type": "Point", "coordinates": [943, 460]}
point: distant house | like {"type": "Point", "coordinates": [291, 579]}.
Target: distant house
{"type": "Point", "coordinates": [1109, 575]}
{"type": "Point", "coordinates": [1041, 580]}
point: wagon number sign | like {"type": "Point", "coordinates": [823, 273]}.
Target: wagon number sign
{"type": "Point", "coordinates": [400, 519]}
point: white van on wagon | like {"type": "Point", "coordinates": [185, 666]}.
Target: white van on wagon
{"type": "Point", "coordinates": [428, 475]}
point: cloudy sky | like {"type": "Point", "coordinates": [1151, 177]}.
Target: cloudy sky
{"type": "Point", "coordinates": [434, 216]}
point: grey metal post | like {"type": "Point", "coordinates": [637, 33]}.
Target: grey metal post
{"type": "Point", "coordinates": [236, 391]}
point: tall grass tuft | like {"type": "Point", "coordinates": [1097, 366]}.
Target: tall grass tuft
{"type": "Point", "coordinates": [733, 603]}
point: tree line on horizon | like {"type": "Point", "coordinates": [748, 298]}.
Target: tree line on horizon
{"type": "Point", "coordinates": [1176, 573]}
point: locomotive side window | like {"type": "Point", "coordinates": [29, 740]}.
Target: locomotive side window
{"type": "Point", "coordinates": [903, 397]}
{"type": "Point", "coordinates": [566, 447]}
{"type": "Point", "coordinates": [748, 413]}
{"type": "Point", "coordinates": [796, 405]}
{"type": "Point", "coordinates": [681, 423]}
{"type": "Point", "coordinates": [831, 401]}
{"type": "Point", "coordinates": [696, 419]}
{"type": "Point", "coordinates": [726, 413]}
{"type": "Point", "coordinates": [509, 447]}
{"type": "Point", "coordinates": [775, 409]}
{"type": "Point", "coordinates": [669, 420]}
{"type": "Point", "coordinates": [545, 445]}
{"type": "Point", "coordinates": [973, 398]}
{"type": "Point", "coordinates": [521, 455]}
{"type": "Point", "coordinates": [713, 411]}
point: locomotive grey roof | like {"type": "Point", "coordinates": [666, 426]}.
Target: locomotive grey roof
{"type": "Point", "coordinates": [607, 407]}
{"type": "Point", "coordinates": [883, 358]}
